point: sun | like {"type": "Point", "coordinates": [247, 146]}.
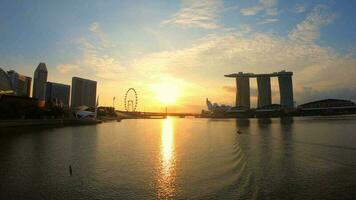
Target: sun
{"type": "Point", "coordinates": [166, 92]}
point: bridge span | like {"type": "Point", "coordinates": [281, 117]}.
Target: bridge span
{"type": "Point", "coordinates": [153, 115]}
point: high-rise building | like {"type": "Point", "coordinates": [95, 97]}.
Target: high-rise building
{"type": "Point", "coordinates": [264, 88]}
{"type": "Point", "coordinates": [83, 92]}
{"type": "Point", "coordinates": [243, 91]}
{"type": "Point", "coordinates": [5, 85]}
{"type": "Point", "coordinates": [20, 84]}
{"type": "Point", "coordinates": [264, 91]}
{"type": "Point", "coordinates": [57, 94]}
{"type": "Point", "coordinates": [286, 89]}
{"type": "Point", "coordinates": [39, 81]}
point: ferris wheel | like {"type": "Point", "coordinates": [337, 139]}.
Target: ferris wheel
{"type": "Point", "coordinates": [130, 100]}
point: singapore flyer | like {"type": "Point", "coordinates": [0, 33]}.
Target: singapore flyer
{"type": "Point", "coordinates": [130, 100]}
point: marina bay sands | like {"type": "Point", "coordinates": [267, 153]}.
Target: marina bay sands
{"type": "Point", "coordinates": [264, 89]}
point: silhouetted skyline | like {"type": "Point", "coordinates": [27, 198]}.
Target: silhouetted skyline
{"type": "Point", "coordinates": [184, 47]}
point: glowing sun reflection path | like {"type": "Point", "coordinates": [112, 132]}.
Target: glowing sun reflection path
{"type": "Point", "coordinates": [167, 148]}
{"type": "Point", "coordinates": [167, 173]}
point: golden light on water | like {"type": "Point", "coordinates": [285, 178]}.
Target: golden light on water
{"type": "Point", "coordinates": [167, 142]}
{"type": "Point", "coordinates": [167, 169]}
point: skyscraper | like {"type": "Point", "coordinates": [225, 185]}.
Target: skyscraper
{"type": "Point", "coordinates": [264, 88]}
{"type": "Point", "coordinates": [264, 91]}
{"type": "Point", "coordinates": [57, 94]}
{"type": "Point", "coordinates": [83, 92]}
{"type": "Point", "coordinates": [39, 81]}
{"type": "Point", "coordinates": [20, 84]}
{"type": "Point", "coordinates": [286, 89]}
{"type": "Point", "coordinates": [243, 91]}
{"type": "Point", "coordinates": [5, 85]}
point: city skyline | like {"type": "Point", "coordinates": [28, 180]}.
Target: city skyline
{"type": "Point", "coordinates": [163, 46]}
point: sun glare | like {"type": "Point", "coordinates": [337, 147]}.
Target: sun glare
{"type": "Point", "coordinates": [166, 92]}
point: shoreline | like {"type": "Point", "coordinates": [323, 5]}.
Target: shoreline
{"type": "Point", "coordinates": [46, 122]}
{"type": "Point", "coordinates": [54, 123]}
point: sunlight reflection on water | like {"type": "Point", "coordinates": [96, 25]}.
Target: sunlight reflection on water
{"type": "Point", "coordinates": [166, 177]}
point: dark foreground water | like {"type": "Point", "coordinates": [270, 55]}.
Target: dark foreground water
{"type": "Point", "coordinates": [300, 158]}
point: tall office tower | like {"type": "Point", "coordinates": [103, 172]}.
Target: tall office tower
{"type": "Point", "coordinates": [243, 91]}
{"type": "Point", "coordinates": [83, 92]}
{"type": "Point", "coordinates": [264, 91]}
{"type": "Point", "coordinates": [39, 81]}
{"type": "Point", "coordinates": [20, 84]}
{"type": "Point", "coordinates": [286, 89]}
{"type": "Point", "coordinates": [57, 94]}
{"type": "Point", "coordinates": [5, 85]}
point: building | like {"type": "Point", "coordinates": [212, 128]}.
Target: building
{"type": "Point", "coordinates": [5, 85]}
{"type": "Point", "coordinates": [264, 91]}
{"type": "Point", "coordinates": [286, 89]}
{"type": "Point", "coordinates": [327, 103]}
{"type": "Point", "coordinates": [19, 107]}
{"type": "Point", "coordinates": [39, 81]}
{"type": "Point", "coordinates": [83, 92]}
{"type": "Point", "coordinates": [57, 94]}
{"type": "Point", "coordinates": [20, 84]}
{"type": "Point", "coordinates": [327, 107]}
{"type": "Point", "coordinates": [264, 88]}
{"type": "Point", "coordinates": [243, 92]}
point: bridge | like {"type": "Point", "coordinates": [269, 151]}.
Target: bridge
{"type": "Point", "coordinates": [153, 115]}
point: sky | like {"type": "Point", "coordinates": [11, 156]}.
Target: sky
{"type": "Point", "coordinates": [176, 53]}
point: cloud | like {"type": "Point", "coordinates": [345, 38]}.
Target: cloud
{"type": "Point", "coordinates": [309, 29]}
{"type": "Point", "coordinates": [94, 27]}
{"type": "Point", "coordinates": [66, 68]}
{"type": "Point", "coordinates": [207, 60]}
{"type": "Point", "coordinates": [251, 11]}
{"type": "Point", "coordinates": [197, 14]}
{"type": "Point", "coordinates": [300, 8]}
{"type": "Point", "coordinates": [266, 6]}
{"type": "Point", "coordinates": [268, 21]}
{"type": "Point", "coordinates": [229, 88]}
{"type": "Point", "coordinates": [95, 47]}
{"type": "Point", "coordinates": [98, 36]}
{"type": "Point", "coordinates": [226, 9]}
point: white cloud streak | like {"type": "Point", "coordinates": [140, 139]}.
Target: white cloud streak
{"type": "Point", "coordinates": [309, 29]}
{"type": "Point", "coordinates": [269, 7]}
{"type": "Point", "coordinates": [269, 21]}
{"type": "Point", "coordinates": [197, 14]}
{"type": "Point", "coordinates": [300, 8]}
{"type": "Point", "coordinates": [67, 68]}
{"type": "Point", "coordinates": [95, 48]}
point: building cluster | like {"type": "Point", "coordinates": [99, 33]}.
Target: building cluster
{"type": "Point", "coordinates": [265, 108]}
{"type": "Point", "coordinates": [83, 91]}
{"type": "Point", "coordinates": [264, 89]}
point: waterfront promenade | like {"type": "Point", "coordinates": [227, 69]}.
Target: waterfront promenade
{"type": "Point", "coordinates": [45, 122]}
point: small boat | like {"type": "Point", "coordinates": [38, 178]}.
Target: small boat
{"type": "Point", "coordinates": [70, 170]}
{"type": "Point", "coordinates": [239, 131]}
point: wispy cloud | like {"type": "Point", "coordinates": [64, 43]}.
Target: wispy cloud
{"type": "Point", "coordinates": [300, 8]}
{"type": "Point", "coordinates": [251, 10]}
{"type": "Point", "coordinates": [95, 56]}
{"type": "Point", "coordinates": [268, 21]}
{"type": "Point", "coordinates": [226, 9]}
{"type": "Point", "coordinates": [309, 29]}
{"type": "Point", "coordinates": [209, 59]}
{"type": "Point", "coordinates": [197, 14]}
{"type": "Point", "coordinates": [269, 7]}
{"type": "Point", "coordinates": [66, 68]}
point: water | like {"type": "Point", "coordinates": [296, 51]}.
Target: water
{"type": "Point", "coordinates": [300, 158]}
